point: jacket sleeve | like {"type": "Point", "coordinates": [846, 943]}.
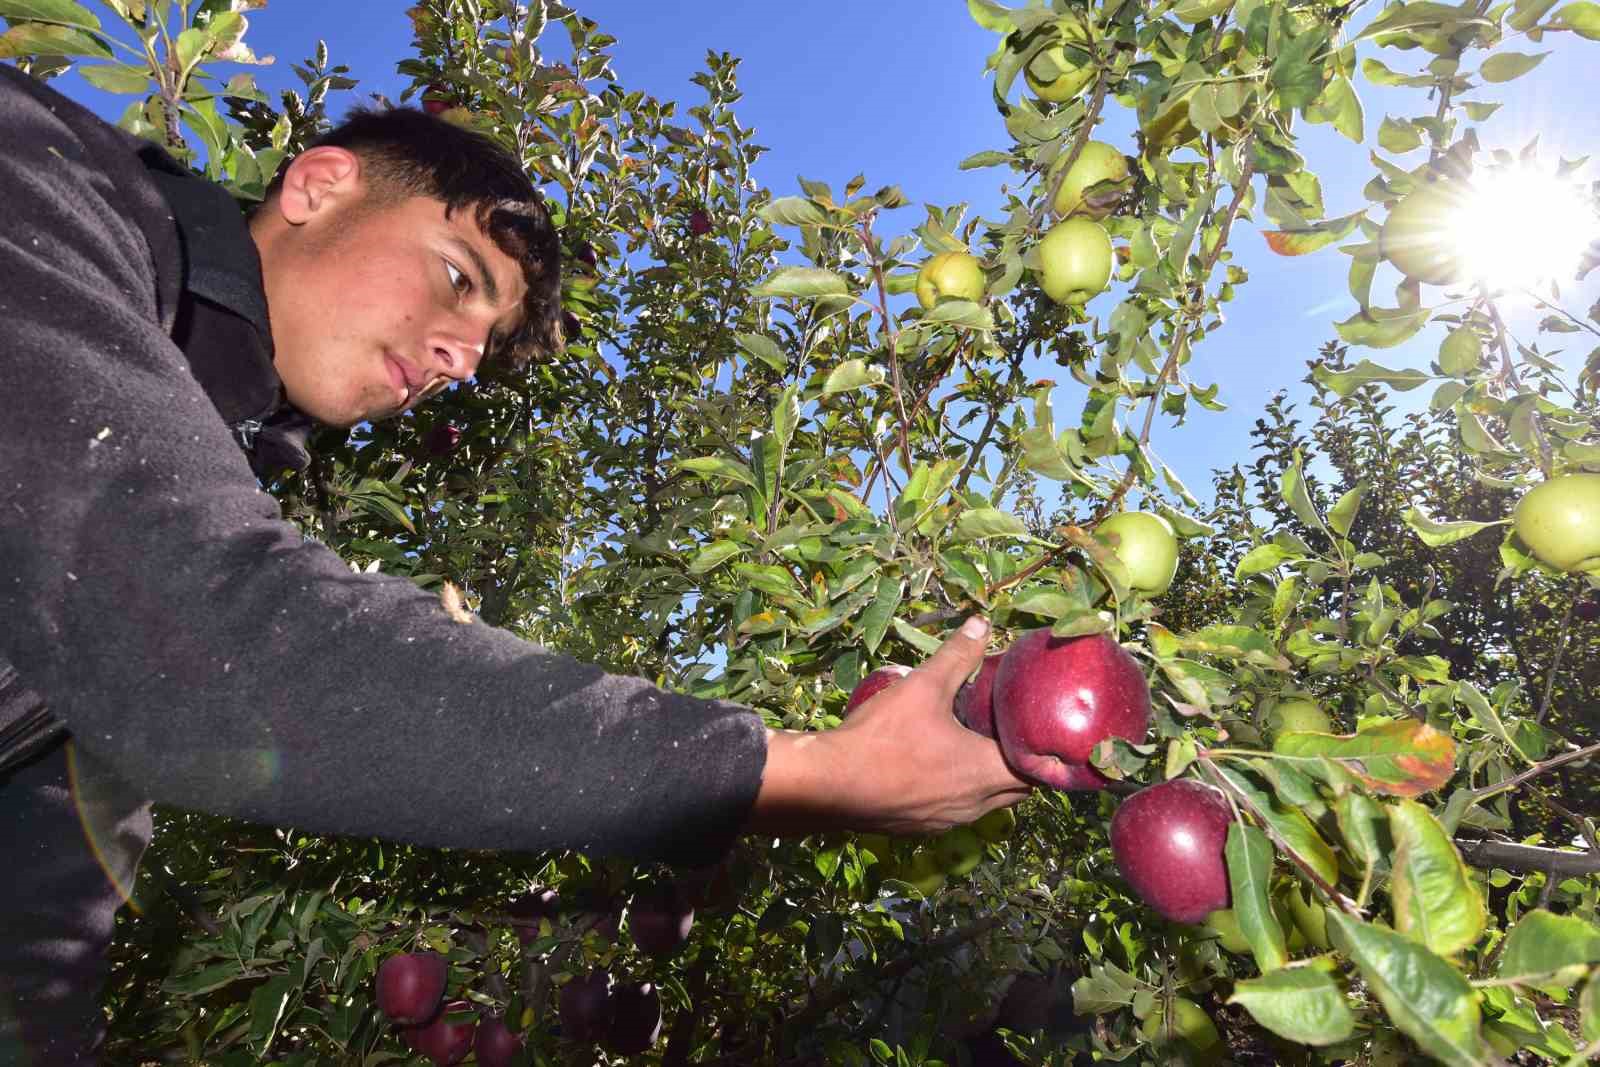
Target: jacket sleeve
{"type": "Point", "coordinates": [193, 641]}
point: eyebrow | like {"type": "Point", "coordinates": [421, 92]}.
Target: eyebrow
{"type": "Point", "coordinates": [479, 264]}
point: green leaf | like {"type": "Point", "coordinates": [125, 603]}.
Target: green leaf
{"type": "Point", "coordinates": [1249, 856]}
{"type": "Point", "coordinates": [1548, 949]}
{"type": "Point", "coordinates": [1425, 997]}
{"type": "Point", "coordinates": [1341, 107]}
{"type": "Point", "coordinates": [1581, 18]}
{"type": "Point", "coordinates": [1292, 488]}
{"type": "Point", "coordinates": [714, 555]}
{"type": "Point", "coordinates": [1504, 66]}
{"type": "Point", "coordinates": [1525, 14]}
{"type": "Point", "coordinates": [1365, 829]}
{"type": "Point", "coordinates": [793, 211]}
{"type": "Point", "coordinates": [1301, 241]}
{"type": "Point", "coordinates": [1434, 900]}
{"type": "Point", "coordinates": [1405, 758]}
{"type": "Point", "coordinates": [785, 414]}
{"type": "Point", "coordinates": [204, 980]}
{"type": "Point", "coordinates": [1235, 642]}
{"type": "Point", "coordinates": [721, 467]}
{"type": "Point", "coordinates": [267, 1005]}
{"type": "Point", "coordinates": [1263, 558]}
{"type": "Point", "coordinates": [116, 77]}
{"type": "Point", "coordinates": [1382, 327]}
{"type": "Point", "coordinates": [1415, 15]}
{"type": "Point", "coordinates": [978, 523]}
{"type": "Point", "coordinates": [1343, 515]}
{"type": "Point", "coordinates": [1437, 534]}
{"type": "Point", "coordinates": [851, 374]}
{"type": "Point", "coordinates": [66, 12]}
{"type": "Point", "coordinates": [765, 349]}
{"type": "Point", "coordinates": [803, 282]}
{"type": "Point", "coordinates": [1302, 1004]}
{"type": "Point", "coordinates": [1046, 605]}
{"type": "Point", "coordinates": [1290, 825]}
{"type": "Point", "coordinates": [990, 16]}
{"type": "Point", "coordinates": [39, 38]}
{"type": "Point", "coordinates": [924, 643]}
{"type": "Point", "coordinates": [984, 159]}
{"type": "Point", "coordinates": [875, 621]}
{"type": "Point", "coordinates": [1398, 135]}
{"type": "Point", "coordinates": [1589, 1010]}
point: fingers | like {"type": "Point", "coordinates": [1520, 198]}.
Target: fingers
{"type": "Point", "coordinates": [958, 657]}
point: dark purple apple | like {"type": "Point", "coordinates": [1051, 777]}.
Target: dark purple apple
{"type": "Point", "coordinates": [527, 910]}
{"type": "Point", "coordinates": [699, 223]}
{"type": "Point", "coordinates": [635, 1019]}
{"type": "Point", "coordinates": [435, 100]}
{"type": "Point", "coordinates": [497, 1045]}
{"type": "Point", "coordinates": [443, 1041]}
{"type": "Point", "coordinates": [441, 439]}
{"type": "Point", "coordinates": [585, 255]}
{"type": "Point", "coordinates": [1588, 611]}
{"type": "Point", "coordinates": [1167, 841]}
{"type": "Point", "coordinates": [660, 919]}
{"type": "Point", "coordinates": [874, 683]}
{"type": "Point", "coordinates": [975, 699]}
{"type": "Point", "coordinates": [585, 1006]}
{"type": "Point", "coordinates": [1027, 1004]}
{"type": "Point", "coordinates": [410, 986]}
{"type": "Point", "coordinates": [1055, 698]}
{"type": "Point", "coordinates": [571, 327]}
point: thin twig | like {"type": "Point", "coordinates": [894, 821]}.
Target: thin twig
{"type": "Point", "coordinates": [1555, 663]}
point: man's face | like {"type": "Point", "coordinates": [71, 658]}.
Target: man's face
{"type": "Point", "coordinates": [374, 308]}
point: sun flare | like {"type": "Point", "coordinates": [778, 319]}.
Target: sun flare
{"type": "Point", "coordinates": [1518, 228]}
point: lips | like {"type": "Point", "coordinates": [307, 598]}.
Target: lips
{"type": "Point", "coordinates": [400, 377]}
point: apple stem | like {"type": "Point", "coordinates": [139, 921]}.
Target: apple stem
{"type": "Point", "coordinates": [1555, 662]}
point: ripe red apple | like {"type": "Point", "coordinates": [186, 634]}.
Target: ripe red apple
{"type": "Point", "coordinates": [699, 223]}
{"type": "Point", "coordinates": [585, 1006]}
{"type": "Point", "coordinates": [873, 684]}
{"type": "Point", "coordinates": [1055, 698]}
{"type": "Point", "coordinates": [1588, 611]}
{"type": "Point", "coordinates": [410, 986]}
{"type": "Point", "coordinates": [441, 439]}
{"type": "Point", "coordinates": [527, 911]}
{"type": "Point", "coordinates": [635, 1019]}
{"type": "Point", "coordinates": [571, 325]}
{"type": "Point", "coordinates": [659, 919]}
{"type": "Point", "coordinates": [975, 699]}
{"type": "Point", "coordinates": [586, 255]}
{"type": "Point", "coordinates": [443, 1041]}
{"type": "Point", "coordinates": [435, 100]}
{"type": "Point", "coordinates": [497, 1045]}
{"type": "Point", "coordinates": [1167, 841]}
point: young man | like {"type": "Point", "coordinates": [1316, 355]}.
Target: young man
{"type": "Point", "coordinates": [154, 346]}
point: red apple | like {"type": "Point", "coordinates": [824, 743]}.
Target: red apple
{"type": "Point", "coordinates": [586, 255]}
{"type": "Point", "coordinates": [441, 439]}
{"type": "Point", "coordinates": [1055, 698]}
{"type": "Point", "coordinates": [635, 1019]}
{"type": "Point", "coordinates": [585, 1006]}
{"type": "Point", "coordinates": [410, 986]}
{"type": "Point", "coordinates": [497, 1045]}
{"type": "Point", "coordinates": [571, 325]}
{"type": "Point", "coordinates": [1588, 611]}
{"type": "Point", "coordinates": [659, 919]}
{"type": "Point", "coordinates": [699, 223]}
{"type": "Point", "coordinates": [443, 1041]}
{"type": "Point", "coordinates": [975, 699]}
{"type": "Point", "coordinates": [1028, 1004]}
{"type": "Point", "coordinates": [527, 911]}
{"type": "Point", "coordinates": [873, 684]}
{"type": "Point", "coordinates": [1167, 841]}
{"type": "Point", "coordinates": [435, 100]}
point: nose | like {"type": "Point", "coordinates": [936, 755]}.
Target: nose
{"type": "Point", "coordinates": [450, 357]}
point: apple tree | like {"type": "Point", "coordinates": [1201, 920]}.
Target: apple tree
{"type": "Point", "coordinates": [794, 438]}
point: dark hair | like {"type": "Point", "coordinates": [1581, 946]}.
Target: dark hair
{"type": "Point", "coordinates": [406, 152]}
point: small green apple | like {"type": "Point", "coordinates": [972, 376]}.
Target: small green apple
{"type": "Point", "coordinates": [1559, 521]}
{"type": "Point", "coordinates": [1193, 11]}
{"type": "Point", "coordinates": [1074, 261]}
{"type": "Point", "coordinates": [1098, 162]}
{"type": "Point", "coordinates": [959, 850]}
{"type": "Point", "coordinates": [923, 873]}
{"type": "Point", "coordinates": [953, 274]}
{"type": "Point", "coordinates": [1419, 235]}
{"type": "Point", "coordinates": [1225, 925]}
{"type": "Point", "coordinates": [1146, 545]}
{"type": "Point", "coordinates": [996, 826]}
{"type": "Point", "coordinates": [1298, 715]}
{"type": "Point", "coordinates": [1309, 919]}
{"type": "Point", "coordinates": [1189, 1025]}
{"type": "Point", "coordinates": [1057, 75]}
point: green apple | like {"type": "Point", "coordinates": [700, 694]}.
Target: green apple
{"type": "Point", "coordinates": [1098, 162]}
{"type": "Point", "coordinates": [1057, 75]}
{"type": "Point", "coordinates": [1309, 919]}
{"type": "Point", "coordinates": [1298, 715]}
{"type": "Point", "coordinates": [1146, 545]}
{"type": "Point", "coordinates": [1189, 1025]}
{"type": "Point", "coordinates": [1462, 352]}
{"type": "Point", "coordinates": [1559, 521]}
{"type": "Point", "coordinates": [959, 849]}
{"type": "Point", "coordinates": [1225, 925]}
{"type": "Point", "coordinates": [1193, 11]}
{"type": "Point", "coordinates": [923, 873]}
{"type": "Point", "coordinates": [1419, 236]}
{"type": "Point", "coordinates": [996, 826]}
{"type": "Point", "coordinates": [952, 274]}
{"type": "Point", "coordinates": [1388, 1050]}
{"type": "Point", "coordinates": [1074, 261]}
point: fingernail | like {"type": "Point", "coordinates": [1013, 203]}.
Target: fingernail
{"type": "Point", "coordinates": [976, 627]}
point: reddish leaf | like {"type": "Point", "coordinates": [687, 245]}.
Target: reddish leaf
{"type": "Point", "coordinates": [1403, 759]}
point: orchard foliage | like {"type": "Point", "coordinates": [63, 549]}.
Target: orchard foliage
{"type": "Point", "coordinates": [760, 470]}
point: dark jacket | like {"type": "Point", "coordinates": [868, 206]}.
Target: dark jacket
{"type": "Point", "coordinates": [192, 640]}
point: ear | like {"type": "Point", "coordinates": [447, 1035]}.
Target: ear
{"type": "Point", "coordinates": [317, 180]}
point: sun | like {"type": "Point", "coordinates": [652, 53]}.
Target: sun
{"type": "Point", "coordinates": [1518, 228]}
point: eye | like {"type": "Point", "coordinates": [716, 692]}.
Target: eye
{"type": "Point", "coordinates": [459, 280]}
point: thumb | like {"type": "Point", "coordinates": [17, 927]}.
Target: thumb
{"type": "Point", "coordinates": [959, 656]}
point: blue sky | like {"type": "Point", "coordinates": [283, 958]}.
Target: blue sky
{"type": "Point", "coordinates": [895, 89]}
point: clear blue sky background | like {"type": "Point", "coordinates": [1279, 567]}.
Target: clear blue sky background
{"type": "Point", "coordinates": [895, 89]}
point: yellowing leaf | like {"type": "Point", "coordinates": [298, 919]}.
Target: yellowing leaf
{"type": "Point", "coordinates": [1434, 900]}
{"type": "Point", "coordinates": [1403, 759]}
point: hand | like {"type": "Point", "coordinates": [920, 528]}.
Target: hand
{"type": "Point", "coordinates": [900, 764]}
